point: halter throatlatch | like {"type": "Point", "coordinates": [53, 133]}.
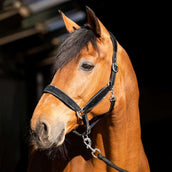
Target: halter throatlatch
{"type": "Point", "coordinates": [81, 112]}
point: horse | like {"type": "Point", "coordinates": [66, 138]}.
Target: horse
{"type": "Point", "coordinates": [75, 137]}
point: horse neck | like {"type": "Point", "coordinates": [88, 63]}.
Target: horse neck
{"type": "Point", "coordinates": [118, 134]}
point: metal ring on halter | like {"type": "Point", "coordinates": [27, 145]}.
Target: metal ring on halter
{"type": "Point", "coordinates": [79, 113]}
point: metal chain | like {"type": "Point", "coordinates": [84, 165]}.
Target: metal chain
{"type": "Point", "coordinates": [88, 143]}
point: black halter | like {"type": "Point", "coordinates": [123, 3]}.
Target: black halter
{"type": "Point", "coordinates": [96, 99]}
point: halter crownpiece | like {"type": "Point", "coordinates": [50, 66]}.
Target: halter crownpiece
{"type": "Point", "coordinates": [81, 112]}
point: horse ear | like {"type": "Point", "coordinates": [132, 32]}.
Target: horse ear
{"type": "Point", "coordinates": [95, 24]}
{"type": "Point", "coordinates": [70, 25]}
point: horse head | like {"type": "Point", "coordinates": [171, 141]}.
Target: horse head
{"type": "Point", "coordinates": [82, 68]}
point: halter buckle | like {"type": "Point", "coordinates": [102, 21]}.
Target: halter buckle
{"type": "Point", "coordinates": [112, 98]}
{"type": "Point", "coordinates": [115, 67]}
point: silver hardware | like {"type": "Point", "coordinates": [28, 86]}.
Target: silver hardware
{"type": "Point", "coordinates": [112, 98]}
{"type": "Point", "coordinates": [88, 143]}
{"type": "Point", "coordinates": [94, 152]}
{"type": "Point", "coordinates": [115, 67]}
{"type": "Point", "coordinates": [79, 113]}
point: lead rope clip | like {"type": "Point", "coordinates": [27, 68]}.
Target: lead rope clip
{"type": "Point", "coordinates": [88, 143]}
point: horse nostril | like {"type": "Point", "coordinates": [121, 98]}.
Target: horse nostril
{"type": "Point", "coordinates": [42, 130]}
{"type": "Point", "coordinates": [45, 128]}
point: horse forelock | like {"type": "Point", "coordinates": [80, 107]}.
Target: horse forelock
{"type": "Point", "coordinates": [72, 45]}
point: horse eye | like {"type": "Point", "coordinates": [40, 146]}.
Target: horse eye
{"type": "Point", "coordinates": [86, 66]}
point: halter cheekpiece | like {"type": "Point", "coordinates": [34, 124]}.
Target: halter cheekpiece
{"type": "Point", "coordinates": [81, 112]}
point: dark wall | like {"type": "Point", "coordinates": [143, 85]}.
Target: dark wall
{"type": "Point", "coordinates": [13, 116]}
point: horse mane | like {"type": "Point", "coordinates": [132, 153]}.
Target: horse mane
{"type": "Point", "coordinates": [72, 45]}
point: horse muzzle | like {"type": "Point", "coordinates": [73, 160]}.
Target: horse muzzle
{"type": "Point", "coordinates": [45, 136]}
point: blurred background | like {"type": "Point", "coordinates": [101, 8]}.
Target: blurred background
{"type": "Point", "coordinates": [30, 33]}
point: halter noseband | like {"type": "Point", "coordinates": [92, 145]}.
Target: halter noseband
{"type": "Point", "coordinates": [96, 99]}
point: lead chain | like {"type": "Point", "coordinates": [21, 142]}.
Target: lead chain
{"type": "Point", "coordinates": [88, 143]}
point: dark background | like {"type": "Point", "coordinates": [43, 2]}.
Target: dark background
{"type": "Point", "coordinates": [142, 28]}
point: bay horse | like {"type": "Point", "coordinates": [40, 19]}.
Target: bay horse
{"type": "Point", "coordinates": [75, 137]}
